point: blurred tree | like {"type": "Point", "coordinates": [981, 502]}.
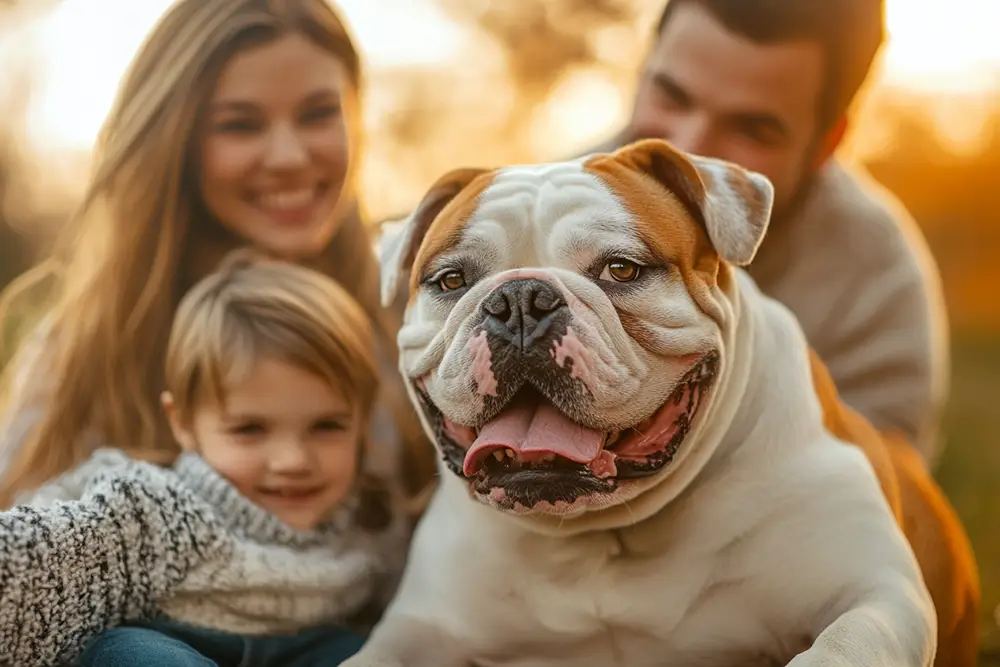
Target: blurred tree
{"type": "Point", "coordinates": [16, 253]}
{"type": "Point", "coordinates": [428, 120]}
{"type": "Point", "coordinates": [542, 40]}
{"type": "Point", "coordinates": [23, 227]}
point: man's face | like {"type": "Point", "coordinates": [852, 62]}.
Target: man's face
{"type": "Point", "coordinates": [712, 92]}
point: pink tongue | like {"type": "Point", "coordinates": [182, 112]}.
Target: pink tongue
{"type": "Point", "coordinates": [533, 429]}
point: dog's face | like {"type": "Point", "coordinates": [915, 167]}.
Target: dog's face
{"type": "Point", "coordinates": [563, 331]}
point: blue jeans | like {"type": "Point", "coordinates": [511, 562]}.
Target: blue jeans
{"type": "Point", "coordinates": [167, 644]}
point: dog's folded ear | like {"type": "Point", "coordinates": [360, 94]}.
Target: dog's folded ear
{"type": "Point", "coordinates": [398, 251]}
{"type": "Point", "coordinates": [730, 202]}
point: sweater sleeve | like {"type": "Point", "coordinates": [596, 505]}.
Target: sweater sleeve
{"type": "Point", "coordinates": [70, 570]}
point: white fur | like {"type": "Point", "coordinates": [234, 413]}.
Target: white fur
{"type": "Point", "coordinates": [765, 538]}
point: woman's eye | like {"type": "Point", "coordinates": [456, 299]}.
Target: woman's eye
{"type": "Point", "coordinates": [451, 281]}
{"type": "Point", "coordinates": [238, 127]}
{"type": "Point", "coordinates": [621, 271]}
{"type": "Point", "coordinates": [321, 114]}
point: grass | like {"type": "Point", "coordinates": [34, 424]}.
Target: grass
{"type": "Point", "coordinates": [969, 468]}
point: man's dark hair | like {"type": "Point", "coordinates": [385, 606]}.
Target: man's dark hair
{"type": "Point", "coordinates": [850, 32]}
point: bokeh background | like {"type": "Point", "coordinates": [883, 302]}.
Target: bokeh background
{"type": "Point", "coordinates": [485, 82]}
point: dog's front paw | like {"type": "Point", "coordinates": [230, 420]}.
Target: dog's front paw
{"type": "Point", "coordinates": [402, 641]}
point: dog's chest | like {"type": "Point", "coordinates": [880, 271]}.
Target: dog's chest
{"type": "Point", "coordinates": [589, 603]}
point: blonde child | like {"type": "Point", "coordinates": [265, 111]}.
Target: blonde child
{"type": "Point", "coordinates": [261, 540]}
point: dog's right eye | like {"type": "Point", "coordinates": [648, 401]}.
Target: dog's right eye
{"type": "Point", "coordinates": [449, 281]}
{"type": "Point", "coordinates": [621, 271]}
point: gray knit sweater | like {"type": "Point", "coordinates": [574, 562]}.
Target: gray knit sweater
{"type": "Point", "coordinates": [118, 540]}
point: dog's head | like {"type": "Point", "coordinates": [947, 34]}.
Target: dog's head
{"type": "Point", "coordinates": [563, 332]}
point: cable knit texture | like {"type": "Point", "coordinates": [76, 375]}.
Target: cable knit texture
{"type": "Point", "coordinates": [119, 540]}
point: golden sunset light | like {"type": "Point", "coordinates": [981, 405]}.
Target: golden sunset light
{"type": "Point", "coordinates": [807, 223]}
{"type": "Point", "coordinates": [79, 74]}
{"type": "Point", "coordinates": [933, 48]}
{"type": "Point", "coordinates": [943, 47]}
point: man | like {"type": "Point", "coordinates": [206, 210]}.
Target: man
{"type": "Point", "coordinates": [768, 84]}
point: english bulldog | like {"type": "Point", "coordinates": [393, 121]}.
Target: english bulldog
{"type": "Point", "coordinates": [635, 467]}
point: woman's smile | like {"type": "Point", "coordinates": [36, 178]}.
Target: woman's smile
{"type": "Point", "coordinates": [294, 207]}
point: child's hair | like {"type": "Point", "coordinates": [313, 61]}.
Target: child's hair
{"type": "Point", "coordinates": [252, 306]}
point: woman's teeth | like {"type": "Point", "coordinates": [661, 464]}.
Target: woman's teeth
{"type": "Point", "coordinates": [288, 199]}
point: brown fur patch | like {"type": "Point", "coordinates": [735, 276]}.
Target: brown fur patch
{"type": "Point", "coordinates": [725, 278]}
{"type": "Point", "coordinates": [928, 520]}
{"type": "Point", "coordinates": [666, 207]}
{"type": "Point", "coordinates": [442, 215]}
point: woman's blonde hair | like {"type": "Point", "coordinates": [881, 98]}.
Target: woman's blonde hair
{"type": "Point", "coordinates": [253, 308]}
{"type": "Point", "coordinates": [123, 263]}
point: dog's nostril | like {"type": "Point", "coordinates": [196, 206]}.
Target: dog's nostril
{"type": "Point", "coordinates": [497, 305]}
{"type": "Point", "coordinates": [544, 302]}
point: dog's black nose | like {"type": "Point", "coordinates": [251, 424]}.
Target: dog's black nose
{"type": "Point", "coordinates": [521, 311]}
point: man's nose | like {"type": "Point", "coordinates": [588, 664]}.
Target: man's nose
{"type": "Point", "coordinates": [692, 134]}
{"type": "Point", "coordinates": [521, 311]}
{"type": "Point", "coordinates": [285, 148]}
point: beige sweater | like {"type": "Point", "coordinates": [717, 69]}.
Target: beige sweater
{"type": "Point", "coordinates": [855, 269]}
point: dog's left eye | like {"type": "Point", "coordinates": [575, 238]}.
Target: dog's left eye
{"type": "Point", "coordinates": [449, 281]}
{"type": "Point", "coordinates": [621, 271]}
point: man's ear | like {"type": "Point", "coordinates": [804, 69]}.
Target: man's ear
{"type": "Point", "coordinates": [730, 202]}
{"type": "Point", "coordinates": [181, 430]}
{"type": "Point", "coordinates": [398, 251]}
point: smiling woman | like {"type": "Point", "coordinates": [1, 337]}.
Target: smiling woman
{"type": "Point", "coordinates": [236, 123]}
{"type": "Point", "coordinates": [275, 155]}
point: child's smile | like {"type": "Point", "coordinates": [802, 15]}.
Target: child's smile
{"type": "Point", "coordinates": [284, 438]}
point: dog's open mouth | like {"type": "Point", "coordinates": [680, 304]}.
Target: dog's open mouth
{"type": "Point", "coordinates": [531, 452]}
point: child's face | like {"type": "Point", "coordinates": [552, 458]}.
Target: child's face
{"type": "Point", "coordinates": [284, 438]}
